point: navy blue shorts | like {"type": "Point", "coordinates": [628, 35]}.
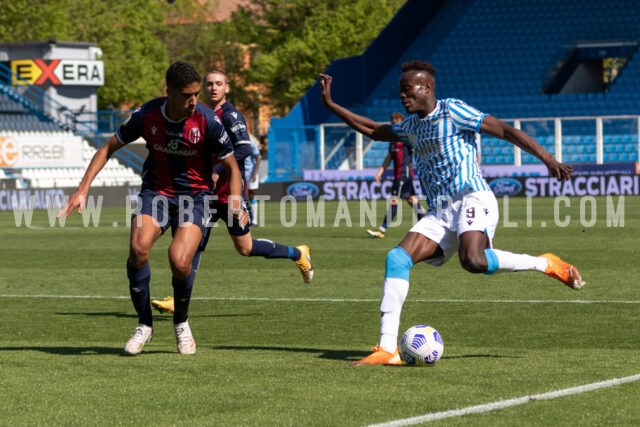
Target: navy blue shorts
{"type": "Point", "coordinates": [403, 188]}
{"type": "Point", "coordinates": [220, 211]}
{"type": "Point", "coordinates": [176, 211]}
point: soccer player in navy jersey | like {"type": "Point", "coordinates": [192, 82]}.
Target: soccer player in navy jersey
{"type": "Point", "coordinates": [402, 187]}
{"type": "Point", "coordinates": [216, 88]}
{"type": "Point", "coordinates": [181, 135]}
{"type": "Point", "coordinates": [463, 212]}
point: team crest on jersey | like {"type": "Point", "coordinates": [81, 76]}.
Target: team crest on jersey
{"type": "Point", "coordinates": [235, 115]}
{"type": "Point", "coordinates": [194, 135]}
{"type": "Point", "coordinates": [154, 130]}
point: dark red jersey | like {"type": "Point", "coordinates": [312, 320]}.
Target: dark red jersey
{"type": "Point", "coordinates": [180, 153]}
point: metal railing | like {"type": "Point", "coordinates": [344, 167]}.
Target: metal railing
{"type": "Point", "coordinates": [39, 103]}
{"type": "Point", "coordinates": [293, 150]}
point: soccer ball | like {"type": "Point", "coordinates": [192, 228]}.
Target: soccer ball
{"type": "Point", "coordinates": [421, 345]}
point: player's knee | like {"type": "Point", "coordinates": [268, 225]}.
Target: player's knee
{"type": "Point", "coordinates": [180, 266]}
{"type": "Point", "coordinates": [138, 254]}
{"type": "Point", "coordinates": [243, 246]}
{"type": "Point", "coordinates": [474, 262]}
{"type": "Point", "coordinates": [243, 250]}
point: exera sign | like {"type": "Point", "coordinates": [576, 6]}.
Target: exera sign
{"type": "Point", "coordinates": [58, 72]}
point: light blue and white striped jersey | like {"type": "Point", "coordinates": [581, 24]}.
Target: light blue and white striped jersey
{"type": "Point", "coordinates": [250, 160]}
{"type": "Point", "coordinates": [445, 150]}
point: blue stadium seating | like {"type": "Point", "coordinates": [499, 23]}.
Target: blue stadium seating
{"type": "Point", "coordinates": [494, 53]}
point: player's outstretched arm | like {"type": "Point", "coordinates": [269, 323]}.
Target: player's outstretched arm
{"type": "Point", "coordinates": [385, 164]}
{"type": "Point", "coordinates": [78, 199]}
{"type": "Point", "coordinates": [364, 125]}
{"type": "Point", "coordinates": [499, 129]}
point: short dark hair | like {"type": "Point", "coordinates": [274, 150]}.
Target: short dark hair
{"type": "Point", "coordinates": [180, 74]}
{"type": "Point", "coordinates": [419, 66]}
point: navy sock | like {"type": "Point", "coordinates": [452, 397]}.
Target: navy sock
{"type": "Point", "coordinates": [391, 212]}
{"type": "Point", "coordinates": [182, 289]}
{"type": "Point", "coordinates": [139, 279]}
{"type": "Point", "coordinates": [268, 249]}
{"type": "Point", "coordinates": [420, 212]}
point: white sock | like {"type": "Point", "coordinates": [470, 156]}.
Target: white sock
{"type": "Point", "coordinates": [508, 261]}
{"type": "Point", "coordinates": [394, 293]}
{"type": "Point", "coordinates": [254, 211]}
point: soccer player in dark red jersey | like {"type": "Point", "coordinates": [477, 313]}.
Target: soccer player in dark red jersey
{"type": "Point", "coordinates": [216, 88]}
{"type": "Point", "coordinates": [181, 135]}
{"type": "Point", "coordinates": [402, 187]}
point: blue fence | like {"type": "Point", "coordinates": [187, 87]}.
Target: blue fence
{"type": "Point", "coordinates": [589, 139]}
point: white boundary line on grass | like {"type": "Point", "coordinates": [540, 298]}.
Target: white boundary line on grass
{"type": "Point", "coordinates": [454, 301]}
{"type": "Point", "coordinates": [487, 407]}
{"type": "Point", "coordinates": [501, 404]}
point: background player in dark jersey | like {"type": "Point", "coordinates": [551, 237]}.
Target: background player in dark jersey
{"type": "Point", "coordinates": [216, 88]}
{"type": "Point", "coordinates": [402, 188]}
{"type": "Point", "coordinates": [182, 135]}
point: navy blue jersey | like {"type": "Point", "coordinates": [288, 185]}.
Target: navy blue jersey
{"type": "Point", "coordinates": [234, 123]}
{"type": "Point", "coordinates": [401, 156]}
{"type": "Point", "coordinates": [180, 153]}
{"type": "Point", "coordinates": [236, 126]}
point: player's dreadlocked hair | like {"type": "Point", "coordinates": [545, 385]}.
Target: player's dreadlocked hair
{"type": "Point", "coordinates": [419, 66]}
{"type": "Point", "coordinates": [180, 74]}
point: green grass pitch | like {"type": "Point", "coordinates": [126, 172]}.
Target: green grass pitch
{"type": "Point", "coordinates": [273, 351]}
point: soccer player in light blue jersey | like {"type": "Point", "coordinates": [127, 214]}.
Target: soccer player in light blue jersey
{"type": "Point", "coordinates": [251, 166]}
{"type": "Point", "coordinates": [463, 212]}
{"type": "Point", "coordinates": [402, 187]}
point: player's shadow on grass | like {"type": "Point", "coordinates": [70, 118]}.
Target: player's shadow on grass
{"type": "Point", "coordinates": [344, 355]}
{"type": "Point", "coordinates": [323, 353]}
{"type": "Point", "coordinates": [156, 316]}
{"type": "Point", "coordinates": [81, 351]}
{"type": "Point", "coordinates": [117, 314]}
{"type": "Point", "coordinates": [67, 351]}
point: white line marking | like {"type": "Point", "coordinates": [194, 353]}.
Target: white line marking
{"type": "Point", "coordinates": [501, 404]}
{"type": "Point", "coordinates": [487, 407]}
{"type": "Point", "coordinates": [452, 301]}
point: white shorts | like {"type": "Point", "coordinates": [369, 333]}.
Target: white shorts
{"type": "Point", "coordinates": [254, 184]}
{"type": "Point", "coordinates": [462, 212]}
{"type": "Point", "coordinates": [251, 184]}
